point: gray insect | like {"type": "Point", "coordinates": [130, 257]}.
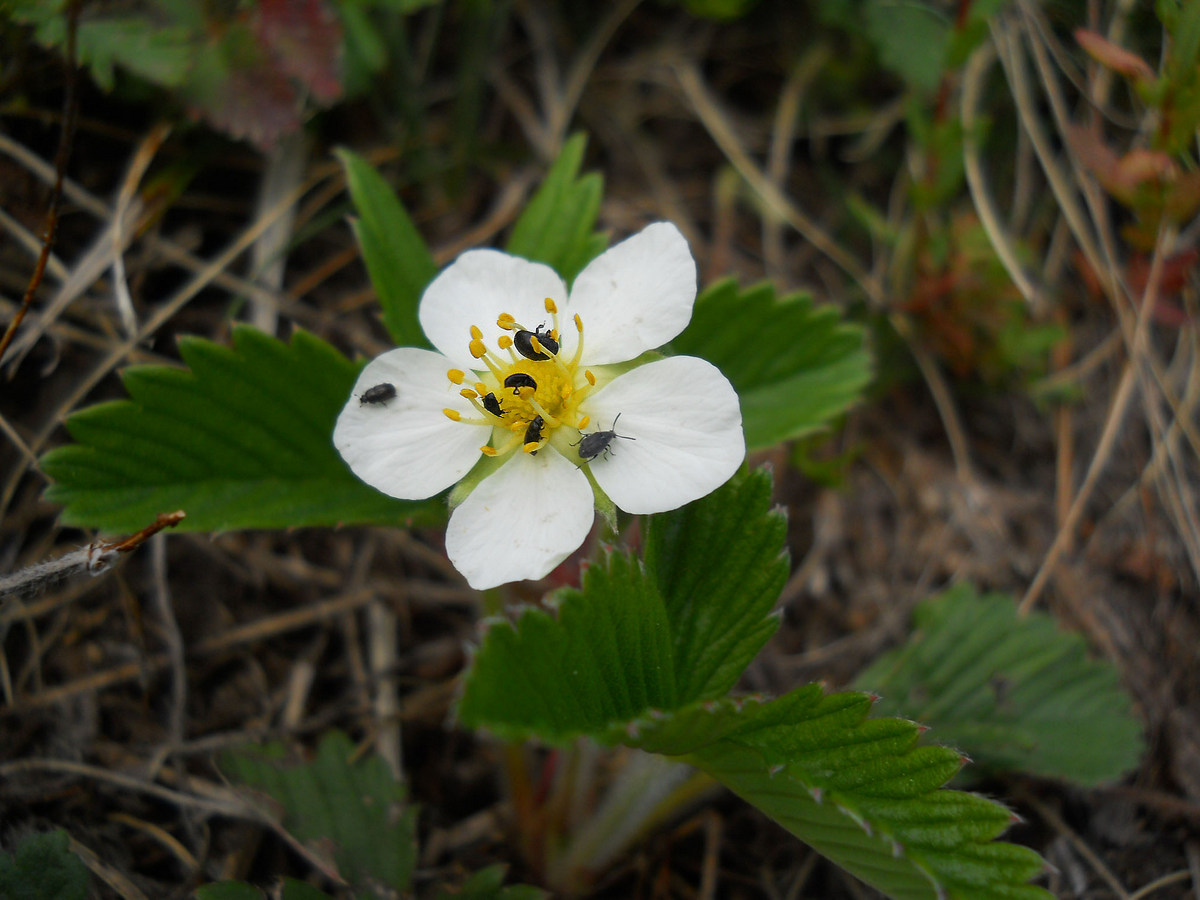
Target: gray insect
{"type": "Point", "coordinates": [592, 445]}
{"type": "Point", "coordinates": [378, 395]}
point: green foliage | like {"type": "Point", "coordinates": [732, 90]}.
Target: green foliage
{"type": "Point", "coordinates": [911, 39]}
{"type": "Point", "coordinates": [557, 226]}
{"type": "Point", "coordinates": [640, 656]}
{"type": "Point", "coordinates": [795, 366]}
{"type": "Point", "coordinates": [398, 261]}
{"type": "Point", "coordinates": [488, 884]}
{"type": "Point", "coordinates": [357, 805]}
{"type": "Point", "coordinates": [240, 441]}
{"type": "Point", "coordinates": [1014, 693]}
{"type": "Point", "coordinates": [42, 867]}
{"type": "Point", "coordinates": [635, 638]}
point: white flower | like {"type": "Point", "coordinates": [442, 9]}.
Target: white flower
{"type": "Point", "coordinates": [481, 400]}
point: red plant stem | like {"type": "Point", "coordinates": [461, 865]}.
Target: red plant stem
{"type": "Point", "coordinates": [70, 113]}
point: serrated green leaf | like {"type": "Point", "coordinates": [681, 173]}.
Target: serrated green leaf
{"type": "Point", "coordinates": [605, 658]}
{"type": "Point", "coordinates": [42, 867]}
{"type": "Point", "coordinates": [557, 226]}
{"type": "Point", "coordinates": [636, 638]}
{"type": "Point", "coordinates": [719, 603]}
{"type": "Point", "coordinates": [795, 366]}
{"type": "Point", "coordinates": [1014, 693]}
{"type": "Point", "coordinates": [396, 256]}
{"type": "Point", "coordinates": [355, 804]}
{"type": "Point", "coordinates": [228, 890]}
{"type": "Point", "coordinates": [242, 440]}
{"type": "Point", "coordinates": [858, 790]}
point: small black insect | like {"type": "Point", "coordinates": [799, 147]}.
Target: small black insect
{"type": "Point", "coordinates": [592, 445]}
{"type": "Point", "coordinates": [378, 395]}
{"type": "Point", "coordinates": [533, 434]}
{"type": "Point", "coordinates": [522, 340]}
{"type": "Point", "coordinates": [518, 380]}
{"type": "Point", "coordinates": [492, 405]}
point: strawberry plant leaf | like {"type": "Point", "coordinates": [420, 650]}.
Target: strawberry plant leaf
{"type": "Point", "coordinates": [557, 226]}
{"type": "Point", "coordinates": [795, 366]}
{"type": "Point", "coordinates": [354, 807]}
{"type": "Point", "coordinates": [241, 440]}
{"type": "Point", "coordinates": [1014, 693]}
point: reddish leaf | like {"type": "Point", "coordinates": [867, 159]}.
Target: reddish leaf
{"type": "Point", "coordinates": [1113, 57]}
{"type": "Point", "coordinates": [305, 39]}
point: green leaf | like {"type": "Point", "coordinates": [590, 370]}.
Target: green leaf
{"type": "Point", "coordinates": [857, 790]}
{"type": "Point", "coordinates": [795, 367]}
{"type": "Point", "coordinates": [1013, 693]}
{"type": "Point", "coordinates": [557, 226]}
{"type": "Point", "coordinates": [397, 258]}
{"type": "Point", "coordinates": [637, 638]}
{"type": "Point", "coordinates": [160, 53]}
{"type": "Point", "coordinates": [243, 440]}
{"type": "Point", "coordinates": [488, 884]}
{"type": "Point", "coordinates": [719, 603]}
{"type": "Point", "coordinates": [42, 867]}
{"type": "Point", "coordinates": [356, 805]}
{"type": "Point", "coordinates": [911, 38]}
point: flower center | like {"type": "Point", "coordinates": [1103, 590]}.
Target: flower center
{"type": "Point", "coordinates": [527, 390]}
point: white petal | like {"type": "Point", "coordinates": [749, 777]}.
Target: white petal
{"type": "Point", "coordinates": [687, 427]}
{"type": "Point", "coordinates": [407, 447]}
{"type": "Point", "coordinates": [520, 522]}
{"type": "Point", "coordinates": [635, 296]}
{"type": "Point", "coordinates": [475, 289]}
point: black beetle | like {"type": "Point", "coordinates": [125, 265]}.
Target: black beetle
{"type": "Point", "coordinates": [533, 434]}
{"type": "Point", "coordinates": [378, 395]}
{"type": "Point", "coordinates": [492, 405]}
{"type": "Point", "coordinates": [592, 445]}
{"type": "Point", "coordinates": [518, 380]}
{"type": "Point", "coordinates": [523, 341]}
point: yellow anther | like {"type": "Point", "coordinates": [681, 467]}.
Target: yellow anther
{"type": "Point", "coordinates": [476, 333]}
{"type": "Point", "coordinates": [532, 447]}
{"type": "Point", "coordinates": [477, 349]}
{"type": "Point", "coordinates": [453, 414]}
{"type": "Point", "coordinates": [567, 391]}
{"type": "Point", "coordinates": [456, 375]}
{"type": "Point", "coordinates": [506, 321]}
{"type": "Point", "coordinates": [587, 373]}
{"type": "Point", "coordinates": [550, 306]}
{"type": "Point", "coordinates": [583, 423]}
{"type": "Point", "coordinates": [578, 323]}
{"type": "Point", "coordinates": [468, 393]}
{"type": "Point", "coordinates": [482, 388]}
{"type": "Point", "coordinates": [536, 345]}
{"type": "Point", "coordinates": [488, 451]}
{"type": "Point", "coordinates": [504, 341]}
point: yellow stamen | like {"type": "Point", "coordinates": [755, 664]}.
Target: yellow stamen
{"type": "Point", "coordinates": [541, 411]}
{"type": "Point", "coordinates": [532, 447]}
{"type": "Point", "coordinates": [578, 323]}
{"type": "Point", "coordinates": [504, 341]}
{"type": "Point", "coordinates": [477, 349]}
{"type": "Point", "coordinates": [482, 388]}
{"type": "Point", "coordinates": [468, 393]}
{"type": "Point", "coordinates": [550, 306]}
{"type": "Point", "coordinates": [506, 321]}
{"type": "Point", "coordinates": [488, 451]}
{"type": "Point", "coordinates": [590, 377]}
{"type": "Point", "coordinates": [456, 375]}
{"type": "Point", "coordinates": [583, 423]}
{"type": "Point", "coordinates": [476, 333]}
{"type": "Point", "coordinates": [453, 414]}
